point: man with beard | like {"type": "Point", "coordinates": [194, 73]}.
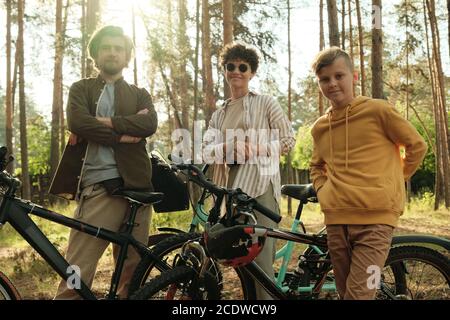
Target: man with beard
{"type": "Point", "coordinates": [109, 121]}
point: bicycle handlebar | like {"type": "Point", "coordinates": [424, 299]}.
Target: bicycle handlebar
{"type": "Point", "coordinates": [7, 180]}
{"type": "Point", "coordinates": [267, 212]}
{"type": "Point", "coordinates": [201, 179]}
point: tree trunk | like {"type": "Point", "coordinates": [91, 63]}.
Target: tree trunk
{"type": "Point", "coordinates": [26, 191]}
{"type": "Point", "coordinates": [408, 182]}
{"type": "Point", "coordinates": [210, 101]}
{"type": "Point", "coordinates": [321, 47]}
{"type": "Point", "coordinates": [14, 81]}
{"type": "Point", "coordinates": [183, 49]}
{"type": "Point", "coordinates": [227, 7]}
{"type": "Point", "coordinates": [350, 35]}
{"type": "Point", "coordinates": [92, 20]}
{"type": "Point", "coordinates": [438, 193]}
{"type": "Point", "coordinates": [83, 39]}
{"type": "Point", "coordinates": [8, 98]}
{"type": "Point", "coordinates": [361, 49]}
{"type": "Point", "coordinates": [448, 25]}
{"type": "Point", "coordinates": [172, 98]}
{"type": "Point", "coordinates": [57, 89]}
{"type": "Point", "coordinates": [377, 51]}
{"type": "Point", "coordinates": [196, 68]}
{"type": "Point", "coordinates": [343, 24]}
{"type": "Point", "coordinates": [333, 26]}
{"type": "Point", "coordinates": [172, 82]}
{"type": "Point", "coordinates": [133, 23]}
{"type": "Point", "coordinates": [61, 114]}
{"type": "Point", "coordinates": [442, 129]}
{"type": "Point", "coordinates": [288, 157]}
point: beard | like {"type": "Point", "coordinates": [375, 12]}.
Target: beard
{"type": "Point", "coordinates": [111, 68]}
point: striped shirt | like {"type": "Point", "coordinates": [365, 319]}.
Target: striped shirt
{"type": "Point", "coordinates": [262, 115]}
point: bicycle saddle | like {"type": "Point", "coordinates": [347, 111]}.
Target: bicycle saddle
{"type": "Point", "coordinates": [302, 192]}
{"type": "Point", "coordinates": [144, 197]}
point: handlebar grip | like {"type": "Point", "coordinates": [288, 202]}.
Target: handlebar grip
{"type": "Point", "coordinates": [268, 213]}
{"type": "Point", "coordinates": [7, 180]}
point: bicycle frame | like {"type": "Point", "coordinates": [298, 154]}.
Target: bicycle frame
{"type": "Point", "coordinates": [16, 211]}
{"type": "Point", "coordinates": [252, 269]}
{"type": "Point", "coordinates": [276, 288]}
{"type": "Point", "coordinates": [285, 254]}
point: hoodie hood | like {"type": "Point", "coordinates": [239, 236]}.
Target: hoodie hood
{"type": "Point", "coordinates": [339, 113]}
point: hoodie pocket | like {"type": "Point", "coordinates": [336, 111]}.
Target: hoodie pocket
{"type": "Point", "coordinates": [336, 194]}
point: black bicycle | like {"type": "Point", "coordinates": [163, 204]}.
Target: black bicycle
{"type": "Point", "coordinates": [412, 271]}
{"type": "Point", "coordinates": [16, 211]}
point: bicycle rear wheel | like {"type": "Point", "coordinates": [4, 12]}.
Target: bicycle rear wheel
{"type": "Point", "coordinates": [415, 273]}
{"type": "Point", "coordinates": [179, 283]}
{"type": "Point", "coordinates": [7, 289]}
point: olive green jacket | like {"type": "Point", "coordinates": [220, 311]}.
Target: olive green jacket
{"type": "Point", "coordinates": [132, 158]}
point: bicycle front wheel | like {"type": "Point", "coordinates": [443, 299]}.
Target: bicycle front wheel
{"type": "Point", "coordinates": [415, 273]}
{"type": "Point", "coordinates": [179, 283]}
{"type": "Point", "coordinates": [166, 250]}
{"type": "Point", "coordinates": [7, 289]}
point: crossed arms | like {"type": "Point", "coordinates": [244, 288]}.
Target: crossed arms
{"type": "Point", "coordinates": [109, 131]}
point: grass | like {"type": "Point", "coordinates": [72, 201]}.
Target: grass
{"type": "Point", "coordinates": [36, 280]}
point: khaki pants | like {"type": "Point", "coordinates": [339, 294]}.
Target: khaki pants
{"type": "Point", "coordinates": [98, 208]}
{"type": "Point", "coordinates": [267, 256]}
{"type": "Point", "coordinates": [357, 251]}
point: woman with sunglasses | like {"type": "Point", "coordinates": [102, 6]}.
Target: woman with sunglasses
{"type": "Point", "coordinates": [253, 131]}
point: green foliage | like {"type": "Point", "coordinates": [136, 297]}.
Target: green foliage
{"type": "Point", "coordinates": [39, 145]}
{"type": "Point", "coordinates": [303, 148]}
{"type": "Point", "coordinates": [180, 220]}
{"type": "Point", "coordinates": [38, 136]}
{"type": "Point", "coordinates": [423, 202]}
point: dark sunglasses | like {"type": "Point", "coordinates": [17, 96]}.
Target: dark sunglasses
{"type": "Point", "coordinates": [231, 66]}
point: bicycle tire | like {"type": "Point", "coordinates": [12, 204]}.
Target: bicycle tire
{"type": "Point", "coordinates": [404, 261]}
{"type": "Point", "coordinates": [247, 284]}
{"type": "Point", "coordinates": [161, 250]}
{"type": "Point", "coordinates": [180, 277]}
{"type": "Point", "coordinates": [7, 289]}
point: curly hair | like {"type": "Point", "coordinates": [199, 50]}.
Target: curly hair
{"type": "Point", "coordinates": [111, 31]}
{"type": "Point", "coordinates": [240, 51]}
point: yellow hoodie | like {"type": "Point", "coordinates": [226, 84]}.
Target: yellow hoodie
{"type": "Point", "coordinates": [356, 166]}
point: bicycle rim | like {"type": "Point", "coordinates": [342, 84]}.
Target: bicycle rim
{"type": "Point", "coordinates": [415, 273]}
{"type": "Point", "coordinates": [7, 290]}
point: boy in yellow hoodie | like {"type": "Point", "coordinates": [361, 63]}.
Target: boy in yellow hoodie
{"type": "Point", "coordinates": [359, 174]}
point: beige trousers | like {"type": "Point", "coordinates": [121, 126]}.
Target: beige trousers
{"type": "Point", "coordinates": [98, 208]}
{"type": "Point", "coordinates": [358, 254]}
{"type": "Point", "coordinates": [266, 258]}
